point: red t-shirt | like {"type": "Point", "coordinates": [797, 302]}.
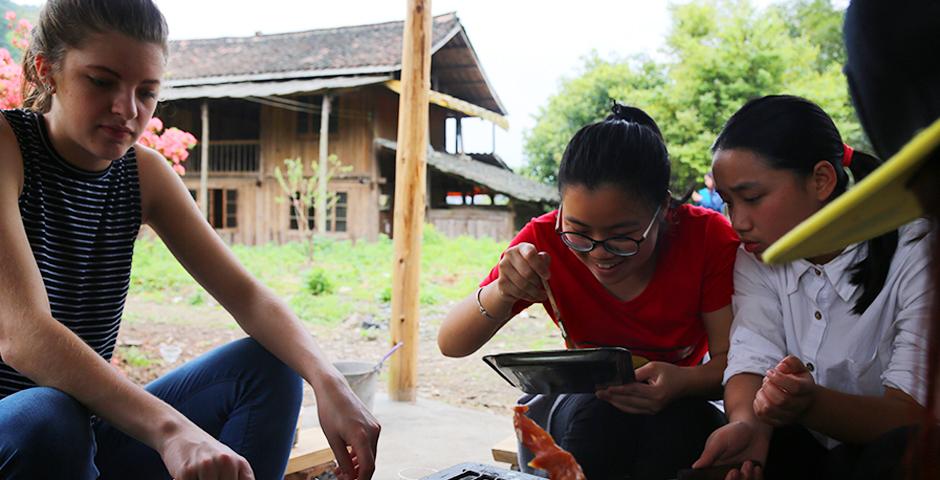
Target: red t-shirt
{"type": "Point", "coordinates": [694, 274]}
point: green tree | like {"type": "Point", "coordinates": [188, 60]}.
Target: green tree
{"type": "Point", "coordinates": [720, 54]}
{"type": "Point", "coordinates": [582, 100]}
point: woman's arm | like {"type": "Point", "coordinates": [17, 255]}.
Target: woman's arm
{"type": "Point", "coordinates": [169, 209]}
{"type": "Point", "coordinates": [35, 344]}
{"type": "Point", "coordinates": [744, 438]}
{"type": "Point", "coordinates": [465, 329]}
{"type": "Point", "coordinates": [860, 419]}
{"type": "Point", "coordinates": [705, 380]}
{"type": "Point", "coordinates": [521, 270]}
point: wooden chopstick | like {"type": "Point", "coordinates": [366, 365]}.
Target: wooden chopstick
{"type": "Point", "coordinates": [561, 324]}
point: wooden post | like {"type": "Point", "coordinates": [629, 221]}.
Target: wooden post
{"type": "Point", "coordinates": [204, 168]}
{"type": "Point", "coordinates": [324, 167]}
{"type": "Point", "coordinates": [459, 147]}
{"type": "Point", "coordinates": [410, 174]}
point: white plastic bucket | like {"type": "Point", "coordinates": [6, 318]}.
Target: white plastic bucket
{"type": "Point", "coordinates": [362, 378]}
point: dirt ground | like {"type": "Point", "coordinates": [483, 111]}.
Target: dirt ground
{"type": "Point", "coordinates": [466, 382]}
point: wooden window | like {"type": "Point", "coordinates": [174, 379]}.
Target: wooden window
{"type": "Point", "coordinates": [223, 208]}
{"type": "Point", "coordinates": [308, 123]}
{"type": "Point", "coordinates": [337, 215]}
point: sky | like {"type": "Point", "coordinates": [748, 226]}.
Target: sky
{"type": "Point", "coordinates": [525, 46]}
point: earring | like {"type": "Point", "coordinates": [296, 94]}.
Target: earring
{"type": "Point", "coordinates": [49, 88]}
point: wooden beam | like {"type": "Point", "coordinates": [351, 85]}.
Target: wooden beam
{"type": "Point", "coordinates": [324, 167]}
{"type": "Point", "coordinates": [204, 168]}
{"type": "Point", "coordinates": [410, 180]}
{"type": "Point", "coordinates": [454, 103]}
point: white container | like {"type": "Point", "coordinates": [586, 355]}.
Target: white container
{"type": "Point", "coordinates": [362, 378]}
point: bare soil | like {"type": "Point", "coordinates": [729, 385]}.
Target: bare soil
{"type": "Point", "coordinates": [466, 382]}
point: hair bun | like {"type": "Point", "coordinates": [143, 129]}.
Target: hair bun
{"type": "Point", "coordinates": [627, 113]}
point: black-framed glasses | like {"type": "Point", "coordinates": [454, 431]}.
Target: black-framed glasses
{"type": "Point", "coordinates": [621, 245]}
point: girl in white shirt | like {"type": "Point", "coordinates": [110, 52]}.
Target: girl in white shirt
{"type": "Point", "coordinates": [825, 351]}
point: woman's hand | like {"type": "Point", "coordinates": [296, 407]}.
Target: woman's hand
{"type": "Point", "coordinates": [786, 394]}
{"type": "Point", "coordinates": [346, 422]}
{"type": "Point", "coordinates": [742, 443]}
{"type": "Point", "coordinates": [192, 454]}
{"type": "Point", "coordinates": [521, 271]}
{"type": "Point", "coordinates": [657, 384]}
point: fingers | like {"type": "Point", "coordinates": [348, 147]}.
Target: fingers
{"type": "Point", "coordinates": [787, 383]}
{"type": "Point", "coordinates": [521, 271]}
{"type": "Point", "coordinates": [365, 458]}
{"type": "Point", "coordinates": [636, 398]}
{"type": "Point", "coordinates": [245, 473]}
{"type": "Point", "coordinates": [791, 364]}
{"type": "Point", "coordinates": [344, 460]}
{"type": "Point", "coordinates": [711, 452]}
{"type": "Point", "coordinates": [646, 372]}
{"type": "Point", "coordinates": [769, 410]}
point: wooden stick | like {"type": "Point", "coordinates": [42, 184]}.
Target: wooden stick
{"type": "Point", "coordinates": [561, 324]}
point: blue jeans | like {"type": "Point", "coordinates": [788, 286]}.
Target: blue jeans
{"type": "Point", "coordinates": [239, 393]}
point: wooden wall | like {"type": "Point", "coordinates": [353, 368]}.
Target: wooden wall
{"type": "Point", "coordinates": [473, 221]}
{"type": "Point", "coordinates": [364, 114]}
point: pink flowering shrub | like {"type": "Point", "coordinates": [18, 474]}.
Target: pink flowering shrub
{"type": "Point", "coordinates": [173, 143]}
{"type": "Point", "coordinates": [11, 74]}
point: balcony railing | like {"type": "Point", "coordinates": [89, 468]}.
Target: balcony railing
{"type": "Point", "coordinates": [227, 156]}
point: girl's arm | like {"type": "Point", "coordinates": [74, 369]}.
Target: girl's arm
{"type": "Point", "coordinates": [790, 395]}
{"type": "Point", "coordinates": [521, 270]}
{"type": "Point", "coordinates": [465, 329]}
{"type": "Point", "coordinates": [860, 419]}
{"type": "Point", "coordinates": [705, 380]}
{"type": "Point", "coordinates": [169, 209]}
{"type": "Point", "coordinates": [35, 344]}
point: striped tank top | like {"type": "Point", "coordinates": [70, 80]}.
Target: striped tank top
{"type": "Point", "coordinates": [81, 227]}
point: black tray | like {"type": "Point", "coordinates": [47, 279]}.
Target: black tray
{"type": "Point", "coordinates": [564, 371]}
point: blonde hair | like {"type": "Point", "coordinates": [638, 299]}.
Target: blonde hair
{"type": "Point", "coordinates": [65, 24]}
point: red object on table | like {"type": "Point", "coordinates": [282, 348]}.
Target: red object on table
{"type": "Point", "coordinates": [559, 463]}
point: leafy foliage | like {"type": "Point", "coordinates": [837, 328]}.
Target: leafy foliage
{"type": "Point", "coordinates": [302, 193]}
{"type": "Point", "coordinates": [719, 55]}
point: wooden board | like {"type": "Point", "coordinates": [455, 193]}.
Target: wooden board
{"type": "Point", "coordinates": [312, 450]}
{"type": "Point", "coordinates": [505, 450]}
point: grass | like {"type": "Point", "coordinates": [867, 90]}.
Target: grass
{"type": "Point", "coordinates": [134, 357]}
{"type": "Point", "coordinates": [343, 279]}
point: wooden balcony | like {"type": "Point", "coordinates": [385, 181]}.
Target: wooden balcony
{"type": "Point", "coordinates": [229, 157]}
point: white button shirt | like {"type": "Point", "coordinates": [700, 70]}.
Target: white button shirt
{"type": "Point", "coordinates": [805, 310]}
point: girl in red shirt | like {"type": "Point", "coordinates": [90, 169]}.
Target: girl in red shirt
{"type": "Point", "coordinates": [628, 267]}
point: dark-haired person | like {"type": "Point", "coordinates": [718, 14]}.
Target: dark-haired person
{"type": "Point", "coordinates": [75, 187]}
{"type": "Point", "coordinates": [827, 352]}
{"type": "Point", "coordinates": [628, 267]}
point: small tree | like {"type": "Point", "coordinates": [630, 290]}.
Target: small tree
{"type": "Point", "coordinates": [301, 193]}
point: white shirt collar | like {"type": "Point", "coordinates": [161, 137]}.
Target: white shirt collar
{"type": "Point", "coordinates": [837, 271]}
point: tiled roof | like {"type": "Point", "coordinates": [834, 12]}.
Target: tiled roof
{"type": "Point", "coordinates": [496, 178]}
{"type": "Point", "coordinates": [333, 51]}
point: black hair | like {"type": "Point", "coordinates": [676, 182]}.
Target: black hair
{"type": "Point", "coordinates": [896, 92]}
{"type": "Point", "coordinates": [792, 133]}
{"type": "Point", "coordinates": [626, 149]}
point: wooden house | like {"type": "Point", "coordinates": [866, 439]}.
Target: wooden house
{"type": "Point", "coordinates": [262, 99]}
